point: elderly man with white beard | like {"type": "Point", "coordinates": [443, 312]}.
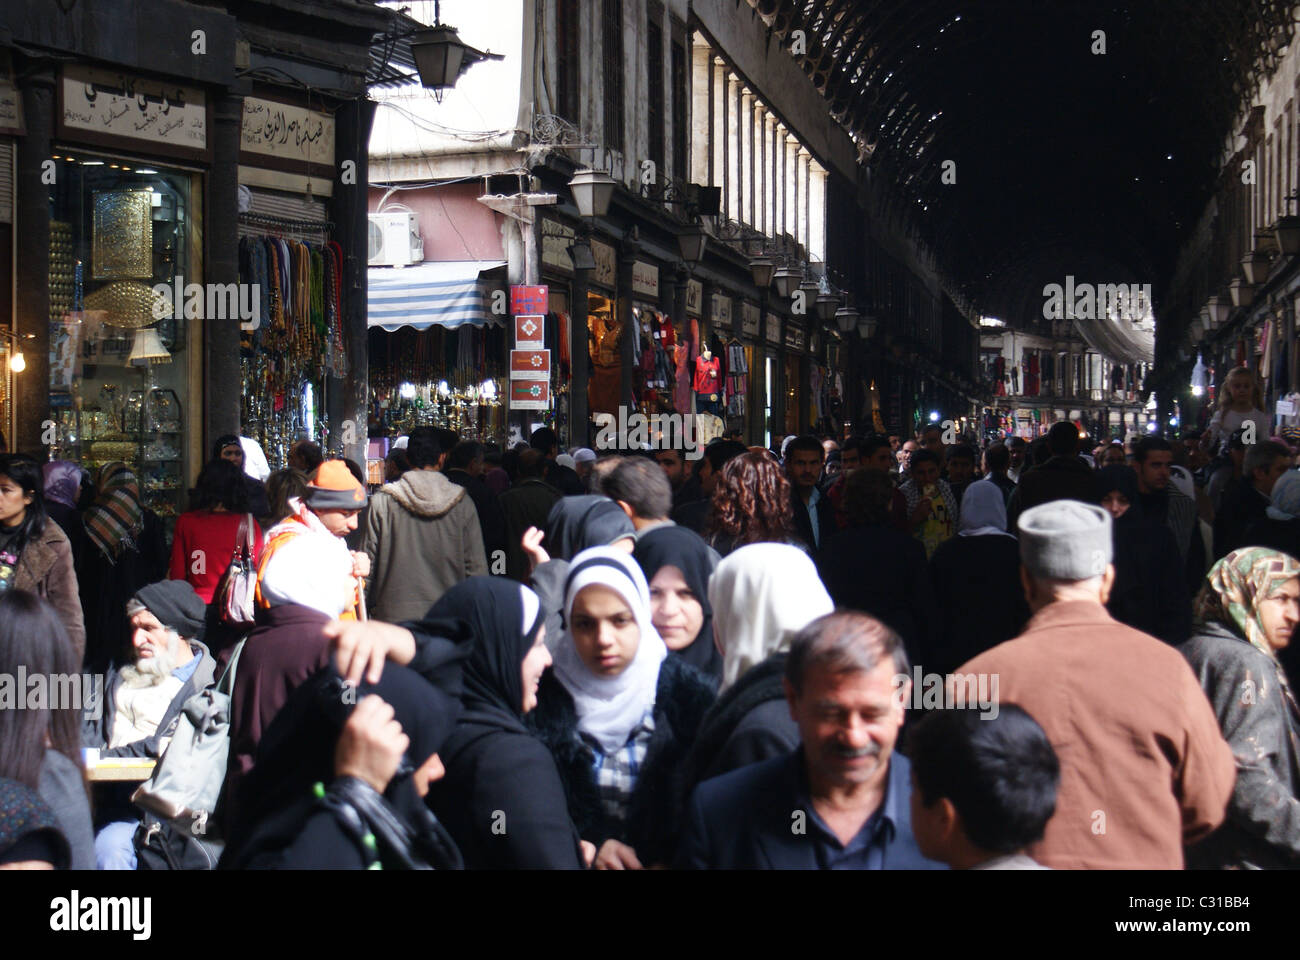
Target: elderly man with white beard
{"type": "Point", "coordinates": [143, 699]}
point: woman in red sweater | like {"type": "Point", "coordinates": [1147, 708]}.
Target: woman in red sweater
{"type": "Point", "coordinates": [207, 533]}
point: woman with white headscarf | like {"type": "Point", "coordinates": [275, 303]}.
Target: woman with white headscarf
{"type": "Point", "coordinates": [762, 595]}
{"type": "Point", "coordinates": [976, 575]}
{"type": "Point", "coordinates": [618, 713]}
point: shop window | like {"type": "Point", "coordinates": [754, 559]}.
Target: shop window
{"type": "Point", "coordinates": [122, 355]}
{"type": "Point", "coordinates": [793, 396]}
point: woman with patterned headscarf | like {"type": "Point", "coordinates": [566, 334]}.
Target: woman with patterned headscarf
{"type": "Point", "coordinates": [125, 549]}
{"type": "Point", "coordinates": [1247, 612]}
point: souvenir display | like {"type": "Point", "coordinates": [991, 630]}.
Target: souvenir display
{"type": "Point", "coordinates": [123, 235]}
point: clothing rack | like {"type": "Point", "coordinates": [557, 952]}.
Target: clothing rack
{"type": "Point", "coordinates": [254, 223]}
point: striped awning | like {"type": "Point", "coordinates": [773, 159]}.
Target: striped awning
{"type": "Point", "coordinates": [447, 293]}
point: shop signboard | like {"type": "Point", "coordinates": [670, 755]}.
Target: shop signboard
{"type": "Point", "coordinates": [530, 364]}
{"type": "Point", "coordinates": [530, 332]}
{"type": "Point", "coordinates": [749, 319]}
{"type": "Point", "coordinates": [530, 395]}
{"type": "Point", "coordinates": [645, 279]}
{"type": "Point", "coordinates": [287, 133]}
{"type": "Point", "coordinates": [98, 104]}
{"type": "Point", "coordinates": [11, 108]}
{"type": "Point", "coordinates": [528, 300]}
{"type": "Point", "coordinates": [794, 337]}
{"type": "Point", "coordinates": [694, 297]}
{"type": "Point", "coordinates": [721, 311]}
{"type": "Point", "coordinates": [773, 331]}
{"type": "Point", "coordinates": [605, 274]}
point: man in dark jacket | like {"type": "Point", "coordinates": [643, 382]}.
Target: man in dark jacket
{"type": "Point", "coordinates": [1246, 499]}
{"type": "Point", "coordinates": [422, 536]}
{"type": "Point", "coordinates": [464, 467]}
{"type": "Point", "coordinates": [143, 700]}
{"type": "Point", "coordinates": [814, 516]}
{"type": "Point", "coordinates": [842, 800]}
{"type": "Point", "coordinates": [564, 479]}
{"type": "Point", "coordinates": [708, 468]}
{"type": "Point", "coordinates": [1161, 501]}
{"type": "Point", "coordinates": [525, 505]}
{"type": "Point", "coordinates": [997, 461]}
{"type": "Point", "coordinates": [1064, 476]}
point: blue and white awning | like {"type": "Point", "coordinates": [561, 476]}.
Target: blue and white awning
{"type": "Point", "coordinates": [447, 293]}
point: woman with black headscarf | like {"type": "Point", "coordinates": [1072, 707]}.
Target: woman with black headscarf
{"type": "Point", "coordinates": [1150, 592]}
{"type": "Point", "coordinates": [677, 564]}
{"type": "Point", "coordinates": [502, 799]}
{"type": "Point", "coordinates": [341, 777]}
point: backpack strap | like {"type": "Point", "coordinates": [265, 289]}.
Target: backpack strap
{"type": "Point", "coordinates": [227, 682]}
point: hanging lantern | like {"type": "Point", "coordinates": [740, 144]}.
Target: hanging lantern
{"type": "Point", "coordinates": [1199, 378]}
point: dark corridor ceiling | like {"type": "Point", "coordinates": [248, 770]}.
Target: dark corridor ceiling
{"type": "Point", "coordinates": [1066, 161]}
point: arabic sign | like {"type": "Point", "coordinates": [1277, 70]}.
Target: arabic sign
{"type": "Point", "coordinates": [694, 297]}
{"type": "Point", "coordinates": [11, 108]}
{"type": "Point", "coordinates": [122, 105]}
{"type": "Point", "coordinates": [287, 132]}
{"type": "Point", "coordinates": [525, 299]}
{"type": "Point", "coordinates": [604, 275]}
{"type": "Point", "coordinates": [749, 321]}
{"type": "Point", "coordinates": [645, 279]}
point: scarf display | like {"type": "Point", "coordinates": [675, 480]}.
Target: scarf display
{"type": "Point", "coordinates": [114, 520]}
{"type": "Point", "coordinates": [686, 550]}
{"type": "Point", "coordinates": [1235, 585]}
{"type": "Point", "coordinates": [610, 708]}
{"type": "Point", "coordinates": [299, 336]}
{"type": "Point", "coordinates": [762, 595]}
{"type": "Point", "coordinates": [983, 511]}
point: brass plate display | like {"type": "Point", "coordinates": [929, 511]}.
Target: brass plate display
{"type": "Point", "coordinates": [123, 238]}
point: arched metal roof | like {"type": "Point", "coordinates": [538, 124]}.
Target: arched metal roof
{"type": "Point", "coordinates": [1068, 160]}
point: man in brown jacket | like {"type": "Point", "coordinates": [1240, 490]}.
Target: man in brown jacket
{"type": "Point", "coordinates": [1144, 769]}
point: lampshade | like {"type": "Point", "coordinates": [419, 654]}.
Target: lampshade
{"type": "Point", "coordinates": [785, 280]}
{"type": "Point", "coordinates": [827, 305]}
{"type": "Point", "coordinates": [761, 269]}
{"type": "Point", "coordinates": [147, 347]}
{"type": "Point", "coordinates": [592, 190]}
{"type": "Point", "coordinates": [866, 326]}
{"type": "Point", "coordinates": [846, 318]}
{"type": "Point", "coordinates": [1219, 310]}
{"type": "Point", "coordinates": [129, 304]}
{"type": "Point", "coordinates": [691, 242]}
{"type": "Point", "coordinates": [583, 258]}
{"type": "Point", "coordinates": [438, 53]}
{"type": "Point", "coordinates": [1255, 268]}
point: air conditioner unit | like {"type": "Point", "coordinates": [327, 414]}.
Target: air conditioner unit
{"type": "Point", "coordinates": [395, 239]}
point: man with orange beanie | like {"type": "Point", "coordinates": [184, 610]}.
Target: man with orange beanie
{"type": "Point", "coordinates": [309, 546]}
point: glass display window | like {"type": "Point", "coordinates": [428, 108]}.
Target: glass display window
{"type": "Point", "coordinates": [125, 326]}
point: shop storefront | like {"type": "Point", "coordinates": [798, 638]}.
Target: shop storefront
{"type": "Point", "coordinates": [125, 271]}
{"type": "Point", "coordinates": [132, 192]}
{"type": "Point", "coordinates": [438, 354]}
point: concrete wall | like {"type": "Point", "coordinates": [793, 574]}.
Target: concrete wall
{"type": "Point", "coordinates": [454, 225]}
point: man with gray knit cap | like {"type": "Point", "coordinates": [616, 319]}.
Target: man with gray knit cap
{"type": "Point", "coordinates": [1144, 768]}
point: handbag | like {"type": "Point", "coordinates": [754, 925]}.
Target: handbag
{"type": "Point", "coordinates": [181, 795]}
{"type": "Point", "coordinates": [236, 591]}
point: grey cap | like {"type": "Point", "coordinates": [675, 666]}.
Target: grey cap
{"type": "Point", "coordinates": [1065, 540]}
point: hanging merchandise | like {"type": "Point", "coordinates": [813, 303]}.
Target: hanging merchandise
{"type": "Point", "coordinates": [298, 342]}
{"type": "Point", "coordinates": [1031, 375]}
{"type": "Point", "coordinates": [737, 386]}
{"type": "Point", "coordinates": [604, 336]}
{"type": "Point", "coordinates": [707, 383]}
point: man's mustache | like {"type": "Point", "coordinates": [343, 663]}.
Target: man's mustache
{"type": "Point", "coordinates": [872, 749]}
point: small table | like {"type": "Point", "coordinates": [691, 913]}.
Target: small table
{"type": "Point", "coordinates": [129, 769]}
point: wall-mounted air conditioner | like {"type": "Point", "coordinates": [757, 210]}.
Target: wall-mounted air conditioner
{"type": "Point", "coordinates": [395, 239]}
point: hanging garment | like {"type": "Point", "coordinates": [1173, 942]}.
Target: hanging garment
{"type": "Point", "coordinates": [707, 379]}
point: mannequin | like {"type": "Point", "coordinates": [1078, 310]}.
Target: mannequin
{"type": "Point", "coordinates": [708, 383]}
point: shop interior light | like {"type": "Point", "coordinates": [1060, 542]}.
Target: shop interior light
{"type": "Point", "coordinates": [17, 362]}
{"type": "Point", "coordinates": [443, 389]}
{"type": "Point", "coordinates": [488, 389]}
{"type": "Point", "coordinates": [92, 163]}
{"type": "Point", "coordinates": [934, 416]}
{"type": "Point", "coordinates": [406, 391]}
{"type": "Point", "coordinates": [145, 170]}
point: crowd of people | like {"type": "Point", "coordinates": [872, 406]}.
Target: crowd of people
{"type": "Point", "coordinates": [869, 653]}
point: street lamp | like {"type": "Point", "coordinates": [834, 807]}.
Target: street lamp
{"type": "Point", "coordinates": [440, 55]}
{"type": "Point", "coordinates": [827, 306]}
{"type": "Point", "coordinates": [592, 191]}
{"type": "Point", "coordinates": [846, 318]}
{"type": "Point", "coordinates": [691, 242]}
{"type": "Point", "coordinates": [785, 279]}
{"type": "Point", "coordinates": [762, 268]}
